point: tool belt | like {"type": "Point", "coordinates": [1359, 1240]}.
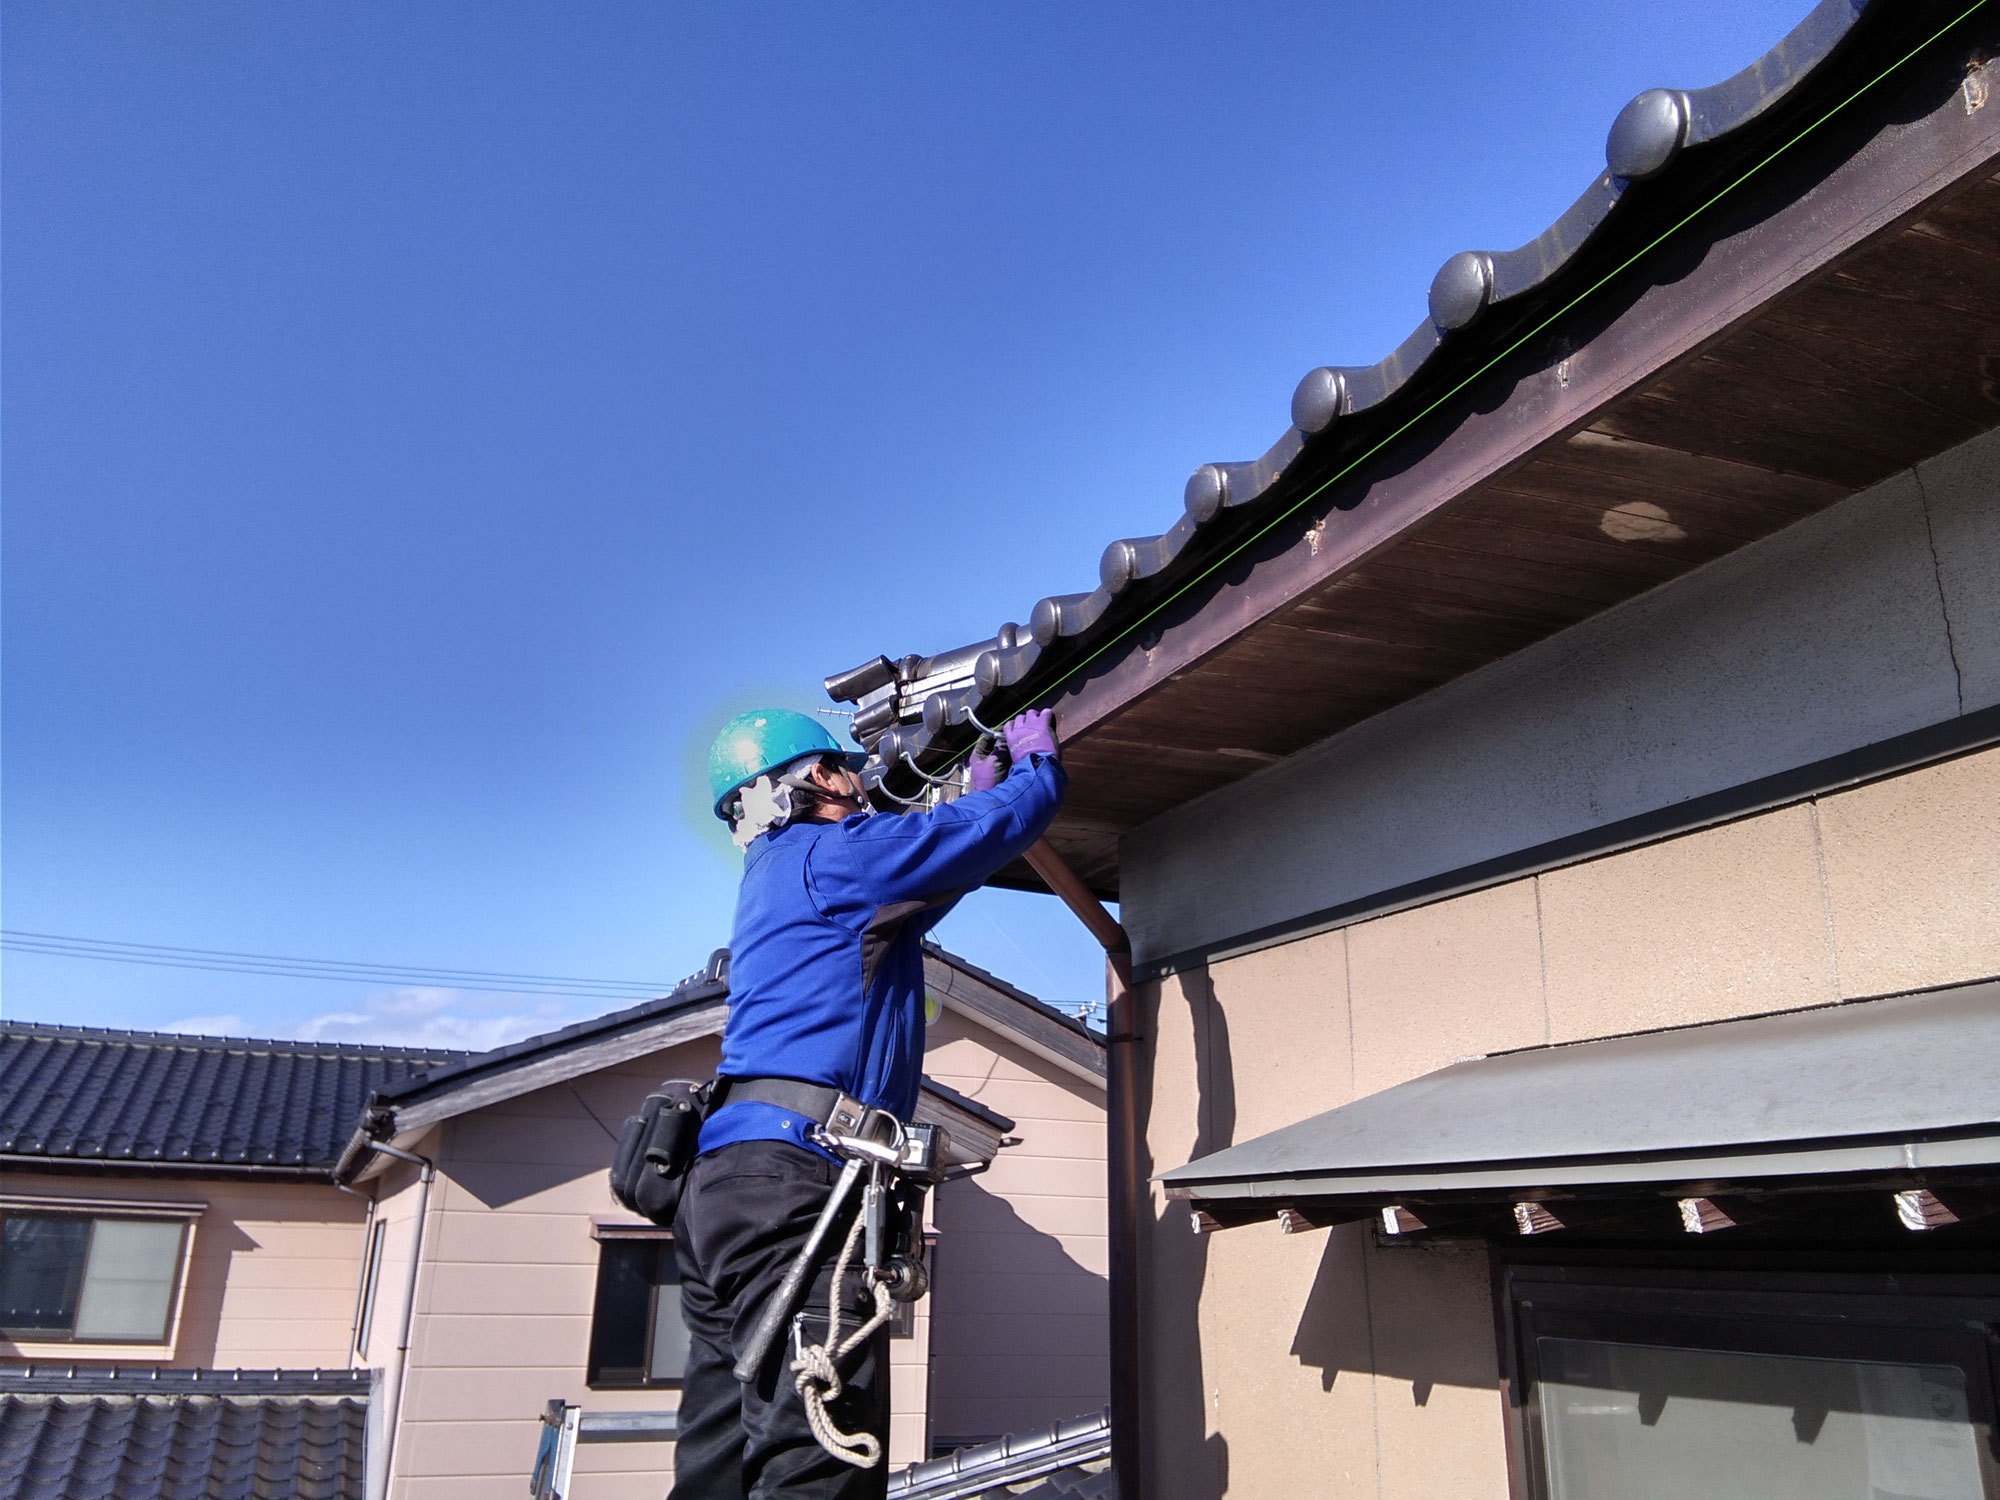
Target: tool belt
{"type": "Point", "coordinates": [656, 1148]}
{"type": "Point", "coordinates": [659, 1144]}
{"type": "Point", "coordinates": [823, 1106]}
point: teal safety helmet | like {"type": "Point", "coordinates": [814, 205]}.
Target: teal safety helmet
{"type": "Point", "coordinates": [764, 740]}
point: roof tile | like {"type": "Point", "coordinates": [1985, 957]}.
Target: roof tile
{"type": "Point", "coordinates": [82, 1093]}
{"type": "Point", "coordinates": [181, 1446]}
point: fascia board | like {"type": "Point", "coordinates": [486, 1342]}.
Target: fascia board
{"type": "Point", "coordinates": [478, 1091]}
{"type": "Point", "coordinates": [1807, 1161]}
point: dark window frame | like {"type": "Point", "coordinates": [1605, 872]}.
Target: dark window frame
{"type": "Point", "coordinates": [1919, 1317]}
{"type": "Point", "coordinates": [92, 1216]}
{"type": "Point", "coordinates": [371, 1284]}
{"type": "Point", "coordinates": [659, 1244]}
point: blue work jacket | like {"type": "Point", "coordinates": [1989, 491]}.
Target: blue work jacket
{"type": "Point", "coordinates": [826, 965]}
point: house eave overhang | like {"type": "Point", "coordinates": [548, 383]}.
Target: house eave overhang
{"type": "Point", "coordinates": [1586, 351]}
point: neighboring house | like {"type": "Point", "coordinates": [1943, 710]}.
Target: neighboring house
{"type": "Point", "coordinates": [1018, 1313]}
{"type": "Point", "coordinates": [246, 1203]}
{"type": "Point", "coordinates": [1554, 802]}
{"type": "Point", "coordinates": [167, 1203]}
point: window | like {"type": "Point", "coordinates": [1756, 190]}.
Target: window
{"type": "Point", "coordinates": [91, 1280]}
{"type": "Point", "coordinates": [1768, 1388]}
{"type": "Point", "coordinates": [637, 1337]}
{"type": "Point", "coordinates": [371, 1281]}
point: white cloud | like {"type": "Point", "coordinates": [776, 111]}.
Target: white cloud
{"type": "Point", "coordinates": [224, 1025]}
{"type": "Point", "coordinates": [436, 1017]}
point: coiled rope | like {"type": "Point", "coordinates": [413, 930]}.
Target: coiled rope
{"type": "Point", "coordinates": [819, 1382]}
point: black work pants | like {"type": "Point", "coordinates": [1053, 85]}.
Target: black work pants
{"type": "Point", "coordinates": [744, 1214]}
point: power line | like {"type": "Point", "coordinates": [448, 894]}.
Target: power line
{"type": "Point", "coordinates": [216, 960]}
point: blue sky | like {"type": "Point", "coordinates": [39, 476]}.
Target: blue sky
{"type": "Point", "coordinates": [420, 426]}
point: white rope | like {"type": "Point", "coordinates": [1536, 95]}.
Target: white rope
{"type": "Point", "coordinates": [819, 1382]}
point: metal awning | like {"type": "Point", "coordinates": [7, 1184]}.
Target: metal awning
{"type": "Point", "coordinates": [1907, 1084]}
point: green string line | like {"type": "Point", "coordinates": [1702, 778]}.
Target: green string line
{"type": "Point", "coordinates": [1485, 369]}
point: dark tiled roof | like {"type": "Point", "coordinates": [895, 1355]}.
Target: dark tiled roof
{"type": "Point", "coordinates": [83, 1438]}
{"type": "Point", "coordinates": [1665, 153]}
{"type": "Point", "coordinates": [74, 1093]}
{"type": "Point", "coordinates": [79, 1093]}
{"type": "Point", "coordinates": [1071, 1458]}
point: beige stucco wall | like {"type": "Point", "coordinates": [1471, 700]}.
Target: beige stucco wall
{"type": "Point", "coordinates": [1319, 1364]}
{"type": "Point", "coordinates": [504, 1298]}
{"type": "Point", "coordinates": [269, 1279]}
{"type": "Point", "coordinates": [1019, 1332]}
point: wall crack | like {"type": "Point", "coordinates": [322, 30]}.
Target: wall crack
{"type": "Point", "coordinates": [1937, 579]}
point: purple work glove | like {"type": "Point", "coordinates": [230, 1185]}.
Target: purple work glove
{"type": "Point", "coordinates": [1031, 733]}
{"type": "Point", "coordinates": [982, 767]}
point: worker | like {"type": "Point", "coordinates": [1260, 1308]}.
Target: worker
{"type": "Point", "coordinates": [826, 993]}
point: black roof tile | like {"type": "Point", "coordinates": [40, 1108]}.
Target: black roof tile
{"type": "Point", "coordinates": [150, 1098]}
{"type": "Point", "coordinates": [59, 1445]}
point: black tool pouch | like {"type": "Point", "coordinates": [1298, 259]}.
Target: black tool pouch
{"type": "Point", "coordinates": [657, 1147]}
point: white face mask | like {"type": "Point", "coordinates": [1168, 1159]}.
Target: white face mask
{"type": "Point", "coordinates": [764, 804]}
{"type": "Point", "coordinates": [770, 801]}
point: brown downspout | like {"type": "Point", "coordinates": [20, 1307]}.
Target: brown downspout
{"type": "Point", "coordinates": [1121, 1161]}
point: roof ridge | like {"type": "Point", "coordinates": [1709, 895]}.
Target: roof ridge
{"type": "Point", "coordinates": [696, 987]}
{"type": "Point", "coordinates": [1012, 991]}
{"type": "Point", "coordinates": [201, 1041]}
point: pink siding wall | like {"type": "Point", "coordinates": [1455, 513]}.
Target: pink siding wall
{"type": "Point", "coordinates": [1019, 1316]}
{"type": "Point", "coordinates": [270, 1278]}
{"type": "Point", "coordinates": [504, 1301]}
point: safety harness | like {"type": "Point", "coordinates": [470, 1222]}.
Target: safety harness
{"type": "Point", "coordinates": [893, 1165]}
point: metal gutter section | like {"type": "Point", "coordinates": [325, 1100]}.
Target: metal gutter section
{"type": "Point", "coordinates": [926, 707]}
{"type": "Point", "coordinates": [1013, 1461]}
{"type": "Point", "coordinates": [97, 1166]}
